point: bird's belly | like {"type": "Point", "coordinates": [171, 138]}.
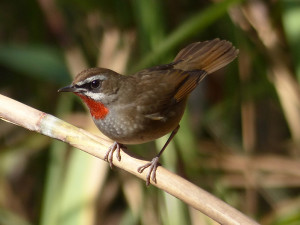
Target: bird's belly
{"type": "Point", "coordinates": [139, 129]}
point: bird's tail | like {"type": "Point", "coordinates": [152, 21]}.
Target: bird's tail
{"type": "Point", "coordinates": [208, 56]}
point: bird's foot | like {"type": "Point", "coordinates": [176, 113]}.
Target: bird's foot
{"type": "Point", "coordinates": [152, 170]}
{"type": "Point", "coordinates": [109, 154]}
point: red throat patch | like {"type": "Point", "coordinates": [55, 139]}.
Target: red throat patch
{"type": "Point", "coordinates": [97, 109]}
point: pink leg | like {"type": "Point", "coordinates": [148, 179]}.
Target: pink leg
{"type": "Point", "coordinates": [154, 162]}
{"type": "Point", "coordinates": [109, 154]}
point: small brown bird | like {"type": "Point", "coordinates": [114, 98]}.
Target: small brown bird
{"type": "Point", "coordinates": [148, 104]}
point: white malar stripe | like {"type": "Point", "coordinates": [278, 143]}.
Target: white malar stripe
{"type": "Point", "coordinates": [95, 96]}
{"type": "Point", "coordinates": [90, 79]}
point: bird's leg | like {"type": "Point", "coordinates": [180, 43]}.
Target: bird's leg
{"type": "Point", "coordinates": [109, 154]}
{"type": "Point", "coordinates": [154, 162]}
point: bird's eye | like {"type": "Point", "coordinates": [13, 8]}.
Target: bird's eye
{"type": "Point", "coordinates": [95, 84]}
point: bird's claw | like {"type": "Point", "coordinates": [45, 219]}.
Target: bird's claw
{"type": "Point", "coordinates": [110, 153]}
{"type": "Point", "coordinates": [152, 170]}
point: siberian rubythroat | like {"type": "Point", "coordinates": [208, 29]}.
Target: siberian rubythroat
{"type": "Point", "coordinates": [150, 103]}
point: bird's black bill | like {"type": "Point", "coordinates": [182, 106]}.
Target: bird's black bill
{"type": "Point", "coordinates": [69, 88]}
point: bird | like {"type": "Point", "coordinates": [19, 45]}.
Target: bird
{"type": "Point", "coordinates": [148, 104]}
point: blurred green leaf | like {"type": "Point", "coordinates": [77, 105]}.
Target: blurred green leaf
{"type": "Point", "coordinates": [291, 18]}
{"type": "Point", "coordinates": [149, 17]}
{"type": "Point", "coordinates": [187, 29]}
{"type": "Point", "coordinates": [36, 61]}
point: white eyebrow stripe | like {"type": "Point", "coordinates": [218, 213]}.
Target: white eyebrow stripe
{"type": "Point", "coordinates": [90, 79]}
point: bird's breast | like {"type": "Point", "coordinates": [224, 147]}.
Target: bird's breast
{"type": "Point", "coordinates": [129, 126]}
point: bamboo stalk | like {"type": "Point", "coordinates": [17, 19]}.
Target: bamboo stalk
{"type": "Point", "coordinates": [34, 120]}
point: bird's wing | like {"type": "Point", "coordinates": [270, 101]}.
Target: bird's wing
{"type": "Point", "coordinates": [160, 89]}
{"type": "Point", "coordinates": [164, 85]}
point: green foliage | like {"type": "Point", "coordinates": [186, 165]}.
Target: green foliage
{"type": "Point", "coordinates": [37, 61]}
{"type": "Point", "coordinates": [291, 16]}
